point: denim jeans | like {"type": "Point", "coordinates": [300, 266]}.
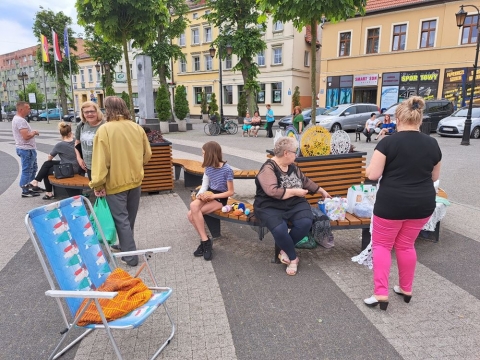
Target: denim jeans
{"type": "Point", "coordinates": [29, 166]}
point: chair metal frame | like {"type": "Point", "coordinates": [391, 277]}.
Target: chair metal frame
{"type": "Point", "coordinates": [94, 296]}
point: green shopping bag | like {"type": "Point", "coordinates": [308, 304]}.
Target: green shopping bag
{"type": "Point", "coordinates": [105, 219]}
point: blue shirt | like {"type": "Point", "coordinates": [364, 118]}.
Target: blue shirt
{"type": "Point", "coordinates": [218, 177]}
{"type": "Point", "coordinates": [269, 115]}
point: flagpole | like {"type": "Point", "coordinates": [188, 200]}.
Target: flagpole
{"type": "Point", "coordinates": [67, 53]}
{"type": "Point", "coordinates": [45, 89]}
{"type": "Point", "coordinates": [56, 78]}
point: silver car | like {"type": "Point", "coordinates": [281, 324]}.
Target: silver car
{"type": "Point", "coordinates": [454, 124]}
{"type": "Point", "coordinates": [346, 116]}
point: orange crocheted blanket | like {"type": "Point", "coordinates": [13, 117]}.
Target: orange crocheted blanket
{"type": "Point", "coordinates": [132, 293]}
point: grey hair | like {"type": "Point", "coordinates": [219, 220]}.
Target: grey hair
{"type": "Point", "coordinates": [285, 143]}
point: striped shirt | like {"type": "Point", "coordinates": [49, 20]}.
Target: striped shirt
{"type": "Point", "coordinates": [218, 177]}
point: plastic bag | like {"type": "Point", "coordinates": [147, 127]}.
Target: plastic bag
{"type": "Point", "coordinates": [105, 219]}
{"type": "Point", "coordinates": [336, 208]}
{"type": "Point", "coordinates": [363, 209]}
{"type": "Point", "coordinates": [356, 193]}
{"type": "Point", "coordinates": [321, 229]}
{"type": "Point", "coordinates": [278, 135]}
{"type": "Point", "coordinates": [308, 242]}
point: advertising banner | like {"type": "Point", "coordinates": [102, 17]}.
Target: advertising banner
{"type": "Point", "coordinates": [389, 96]}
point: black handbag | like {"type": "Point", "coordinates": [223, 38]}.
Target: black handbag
{"type": "Point", "coordinates": [63, 171]}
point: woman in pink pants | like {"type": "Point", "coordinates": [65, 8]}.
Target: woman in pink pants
{"type": "Point", "coordinates": [408, 162]}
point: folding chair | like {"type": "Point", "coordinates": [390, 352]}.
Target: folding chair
{"type": "Point", "coordinates": [68, 248]}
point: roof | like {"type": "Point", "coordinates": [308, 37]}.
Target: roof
{"type": "Point", "coordinates": [308, 36]}
{"type": "Point", "coordinates": [378, 5]}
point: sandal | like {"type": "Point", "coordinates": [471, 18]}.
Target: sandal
{"type": "Point", "coordinates": [48, 197]}
{"type": "Point", "coordinates": [292, 268]}
{"type": "Point", "coordinates": [283, 257]}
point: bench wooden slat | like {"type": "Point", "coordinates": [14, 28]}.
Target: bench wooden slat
{"type": "Point", "coordinates": [352, 219]}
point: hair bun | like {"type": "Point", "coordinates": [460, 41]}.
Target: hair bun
{"type": "Point", "coordinates": [415, 105]}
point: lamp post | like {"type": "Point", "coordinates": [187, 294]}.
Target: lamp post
{"type": "Point", "coordinates": [460, 17]}
{"type": "Point", "coordinates": [105, 67]}
{"type": "Point", "coordinates": [22, 76]}
{"type": "Point", "coordinates": [8, 92]}
{"type": "Point", "coordinates": [212, 54]}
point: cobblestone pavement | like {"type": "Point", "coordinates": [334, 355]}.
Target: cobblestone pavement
{"type": "Point", "coordinates": [240, 306]}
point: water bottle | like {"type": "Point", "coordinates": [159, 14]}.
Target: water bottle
{"type": "Point", "coordinates": [321, 206]}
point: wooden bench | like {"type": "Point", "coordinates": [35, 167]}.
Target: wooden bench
{"type": "Point", "coordinates": [193, 172]}
{"type": "Point", "coordinates": [73, 186]}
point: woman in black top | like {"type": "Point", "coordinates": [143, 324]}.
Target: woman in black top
{"type": "Point", "coordinates": [280, 199]}
{"type": "Point", "coordinates": [408, 163]}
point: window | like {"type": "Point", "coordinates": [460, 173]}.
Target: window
{"type": "Point", "coordinates": [372, 41]}
{"type": "Point", "coordinates": [198, 95]}
{"type": "Point", "coordinates": [196, 63]}
{"type": "Point", "coordinates": [195, 15]}
{"type": "Point", "coordinates": [207, 12]}
{"type": "Point", "coordinates": [228, 94]}
{"type": "Point", "coordinates": [261, 58]}
{"type": "Point", "coordinates": [131, 71]}
{"type": "Point", "coordinates": [399, 37]}
{"type": "Point", "coordinates": [99, 76]}
{"type": "Point", "coordinates": [181, 40]}
{"type": "Point", "coordinates": [82, 76]}
{"type": "Point", "coordinates": [120, 68]}
{"type": "Point", "coordinates": [277, 26]}
{"type": "Point", "coordinates": [208, 34]}
{"type": "Point", "coordinates": [277, 55]}
{"type": "Point", "coordinates": [470, 31]}
{"type": "Point", "coordinates": [31, 57]}
{"type": "Point", "coordinates": [24, 59]}
{"type": "Point", "coordinates": [427, 38]}
{"type": "Point", "coordinates": [228, 62]}
{"type": "Point", "coordinates": [241, 91]}
{"type": "Point", "coordinates": [208, 62]}
{"type": "Point", "coordinates": [183, 65]}
{"type": "Point", "coordinates": [195, 36]}
{"type": "Point", "coordinates": [32, 69]}
{"type": "Point", "coordinates": [306, 58]}
{"type": "Point", "coordinates": [261, 94]}
{"type": "Point", "coordinates": [344, 48]}
{"type": "Point", "coordinates": [74, 79]}
{"type": "Point", "coordinates": [208, 93]}
{"type": "Point", "coordinates": [277, 93]}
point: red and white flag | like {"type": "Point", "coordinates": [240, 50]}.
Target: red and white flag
{"type": "Point", "coordinates": [56, 47]}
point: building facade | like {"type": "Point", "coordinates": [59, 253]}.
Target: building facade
{"type": "Point", "coordinates": [399, 49]}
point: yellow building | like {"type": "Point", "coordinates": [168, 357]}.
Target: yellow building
{"type": "Point", "coordinates": [398, 49]}
{"type": "Point", "coordinates": [87, 84]}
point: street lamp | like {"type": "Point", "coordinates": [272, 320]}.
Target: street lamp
{"type": "Point", "coordinates": [8, 92]}
{"type": "Point", "coordinates": [105, 67]}
{"type": "Point", "coordinates": [22, 76]}
{"type": "Point", "coordinates": [461, 15]}
{"type": "Point", "coordinates": [212, 54]}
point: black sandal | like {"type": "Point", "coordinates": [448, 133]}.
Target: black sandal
{"type": "Point", "coordinates": [48, 197]}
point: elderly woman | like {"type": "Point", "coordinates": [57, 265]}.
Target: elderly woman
{"type": "Point", "coordinates": [280, 200]}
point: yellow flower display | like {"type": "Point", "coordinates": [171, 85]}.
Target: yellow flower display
{"type": "Point", "coordinates": [315, 141]}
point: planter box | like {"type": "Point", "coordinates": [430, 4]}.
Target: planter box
{"type": "Point", "coordinates": [158, 173]}
{"type": "Point", "coordinates": [334, 173]}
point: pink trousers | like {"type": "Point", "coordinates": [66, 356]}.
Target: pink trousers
{"type": "Point", "coordinates": [401, 235]}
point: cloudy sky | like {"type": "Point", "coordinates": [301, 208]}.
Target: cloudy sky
{"type": "Point", "coordinates": [16, 21]}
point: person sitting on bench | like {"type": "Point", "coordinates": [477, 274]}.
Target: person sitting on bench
{"type": "Point", "coordinates": [388, 127]}
{"type": "Point", "coordinates": [370, 127]}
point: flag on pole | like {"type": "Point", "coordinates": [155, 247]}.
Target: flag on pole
{"type": "Point", "coordinates": [56, 47]}
{"type": "Point", "coordinates": [65, 42]}
{"type": "Point", "coordinates": [44, 41]}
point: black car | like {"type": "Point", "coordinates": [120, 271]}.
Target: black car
{"type": "Point", "coordinates": [307, 116]}
{"type": "Point", "coordinates": [34, 115]}
{"type": "Point", "coordinates": [70, 116]}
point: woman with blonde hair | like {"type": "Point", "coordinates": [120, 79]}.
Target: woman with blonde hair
{"type": "Point", "coordinates": [407, 164]}
{"type": "Point", "coordinates": [92, 118]}
{"type": "Point", "coordinates": [65, 149]}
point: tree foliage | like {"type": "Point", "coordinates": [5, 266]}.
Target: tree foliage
{"type": "Point", "coordinates": [239, 26]}
{"type": "Point", "coordinates": [181, 103]}
{"type": "Point", "coordinates": [309, 12]}
{"type": "Point", "coordinates": [162, 104]}
{"type": "Point", "coordinates": [296, 97]}
{"type": "Point", "coordinates": [120, 21]}
{"type": "Point", "coordinates": [125, 97]}
{"type": "Point", "coordinates": [242, 106]}
{"type": "Point", "coordinates": [204, 104]}
{"type": "Point", "coordinates": [45, 22]}
{"type": "Point", "coordinates": [32, 88]}
{"type": "Point", "coordinates": [163, 50]}
{"type": "Point", "coordinates": [213, 105]}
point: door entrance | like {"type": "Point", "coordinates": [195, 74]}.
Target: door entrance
{"type": "Point", "coordinates": [365, 95]}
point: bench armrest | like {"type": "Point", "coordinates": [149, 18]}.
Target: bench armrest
{"type": "Point", "coordinates": [141, 252]}
{"type": "Point", "coordinates": [81, 294]}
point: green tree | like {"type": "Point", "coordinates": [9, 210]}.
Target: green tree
{"type": "Point", "coordinates": [296, 97]}
{"type": "Point", "coordinates": [308, 12]}
{"type": "Point", "coordinates": [204, 104]}
{"type": "Point", "coordinates": [241, 26]}
{"type": "Point", "coordinates": [162, 104]}
{"type": "Point", "coordinates": [242, 105]}
{"type": "Point", "coordinates": [104, 52]}
{"type": "Point", "coordinates": [168, 28]}
{"type": "Point", "coordinates": [32, 88]}
{"type": "Point", "coordinates": [45, 22]}
{"type": "Point", "coordinates": [120, 21]}
{"type": "Point", "coordinates": [109, 91]}
{"type": "Point", "coordinates": [181, 103]}
{"type": "Point", "coordinates": [213, 105]}
{"type": "Point", "coordinates": [125, 97]}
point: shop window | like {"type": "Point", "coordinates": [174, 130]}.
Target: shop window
{"type": "Point", "coordinates": [228, 94]}
{"type": "Point", "coordinates": [261, 94]}
{"type": "Point", "coordinates": [399, 37]}
{"type": "Point", "coordinates": [277, 93]}
{"type": "Point", "coordinates": [344, 45]}
{"type": "Point", "coordinates": [427, 38]}
{"type": "Point", "coordinates": [470, 30]}
{"type": "Point", "coordinates": [373, 36]}
{"type": "Point", "coordinates": [198, 95]}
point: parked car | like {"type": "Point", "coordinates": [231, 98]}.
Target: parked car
{"type": "Point", "coordinates": [307, 116]}
{"type": "Point", "coordinates": [34, 115]}
{"type": "Point", "coordinates": [53, 114]}
{"type": "Point", "coordinates": [346, 116]}
{"type": "Point", "coordinates": [10, 115]}
{"type": "Point", "coordinates": [70, 116]}
{"type": "Point", "coordinates": [434, 111]}
{"type": "Point", "coordinates": [454, 124]}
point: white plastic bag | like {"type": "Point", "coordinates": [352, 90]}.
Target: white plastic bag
{"type": "Point", "coordinates": [335, 208]}
{"type": "Point", "coordinates": [363, 209]}
{"type": "Point", "coordinates": [278, 135]}
{"type": "Point", "coordinates": [356, 193]}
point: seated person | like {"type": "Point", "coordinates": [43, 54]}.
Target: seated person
{"type": "Point", "coordinates": [65, 149]}
{"type": "Point", "coordinates": [256, 122]}
{"type": "Point", "coordinates": [247, 124]}
{"type": "Point", "coordinates": [388, 127]}
{"type": "Point", "coordinates": [280, 200]}
{"type": "Point", "coordinates": [370, 127]}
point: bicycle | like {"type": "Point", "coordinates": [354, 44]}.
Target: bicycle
{"type": "Point", "coordinates": [214, 128]}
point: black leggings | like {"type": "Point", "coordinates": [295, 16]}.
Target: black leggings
{"type": "Point", "coordinates": [45, 170]}
{"type": "Point", "coordinates": [269, 129]}
{"type": "Point", "coordinates": [287, 241]}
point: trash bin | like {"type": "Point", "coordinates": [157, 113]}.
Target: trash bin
{"type": "Point", "coordinates": [426, 127]}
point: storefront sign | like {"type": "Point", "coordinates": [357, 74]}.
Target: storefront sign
{"type": "Point", "coordinates": [430, 76]}
{"type": "Point", "coordinates": [391, 79]}
{"type": "Point", "coordinates": [389, 96]}
{"type": "Point", "coordinates": [365, 80]}
{"type": "Point", "coordinates": [454, 75]}
{"type": "Point", "coordinates": [346, 81]}
{"type": "Point", "coordinates": [120, 77]}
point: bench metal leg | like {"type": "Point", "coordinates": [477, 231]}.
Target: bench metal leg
{"type": "Point", "coordinates": [213, 225]}
{"type": "Point", "coordinates": [366, 237]}
{"type": "Point", "coordinates": [192, 180]}
{"type": "Point", "coordinates": [178, 169]}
